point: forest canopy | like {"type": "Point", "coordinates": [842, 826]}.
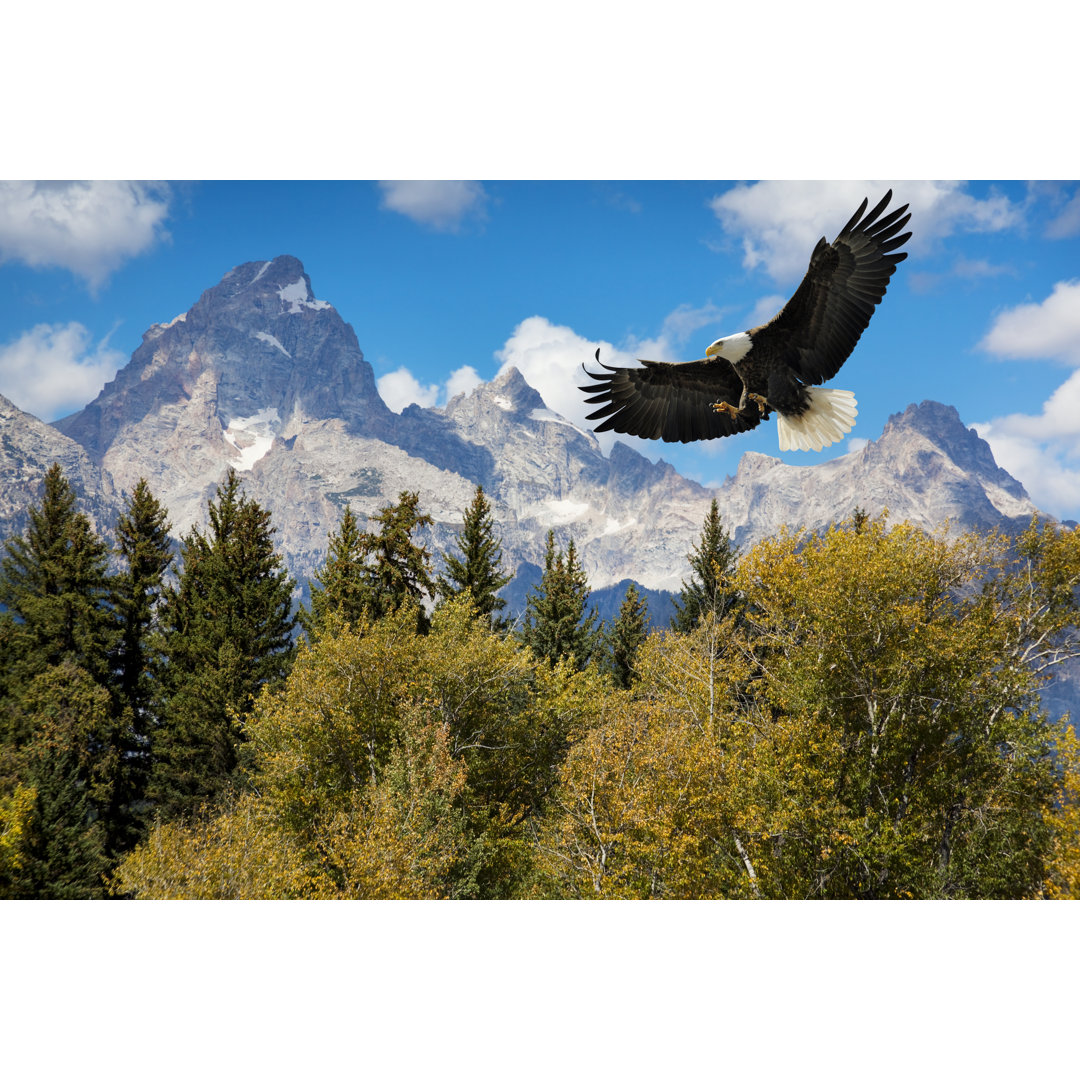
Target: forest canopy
{"type": "Point", "coordinates": [852, 714]}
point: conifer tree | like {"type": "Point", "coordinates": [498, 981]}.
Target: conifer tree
{"type": "Point", "coordinates": [54, 583]}
{"type": "Point", "coordinates": [73, 764]}
{"type": "Point", "coordinates": [478, 570]}
{"type": "Point", "coordinates": [396, 570]}
{"type": "Point", "coordinates": [143, 541]}
{"type": "Point", "coordinates": [341, 582]}
{"type": "Point", "coordinates": [713, 562]}
{"type": "Point", "coordinates": [626, 635]}
{"type": "Point", "coordinates": [555, 625]}
{"type": "Point", "coordinates": [226, 632]}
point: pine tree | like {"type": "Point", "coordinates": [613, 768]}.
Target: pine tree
{"type": "Point", "coordinates": [396, 570]}
{"type": "Point", "coordinates": [713, 562]}
{"type": "Point", "coordinates": [478, 568]}
{"type": "Point", "coordinates": [555, 625]}
{"type": "Point", "coordinates": [226, 632]}
{"type": "Point", "coordinates": [143, 539]}
{"type": "Point", "coordinates": [626, 635]}
{"type": "Point", "coordinates": [54, 583]}
{"type": "Point", "coordinates": [73, 764]}
{"type": "Point", "coordinates": [341, 582]}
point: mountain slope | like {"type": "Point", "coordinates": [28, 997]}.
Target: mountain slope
{"type": "Point", "coordinates": [27, 448]}
{"type": "Point", "coordinates": [261, 376]}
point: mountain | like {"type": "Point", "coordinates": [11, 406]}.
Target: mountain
{"type": "Point", "coordinates": [27, 448]}
{"type": "Point", "coordinates": [262, 376]}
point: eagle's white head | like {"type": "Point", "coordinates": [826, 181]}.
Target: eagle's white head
{"type": "Point", "coordinates": [732, 348]}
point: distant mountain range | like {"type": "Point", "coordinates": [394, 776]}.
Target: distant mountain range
{"type": "Point", "coordinates": [262, 376]}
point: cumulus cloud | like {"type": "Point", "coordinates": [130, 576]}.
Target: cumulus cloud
{"type": "Point", "coordinates": [443, 205]}
{"type": "Point", "coordinates": [88, 227]}
{"type": "Point", "coordinates": [779, 221]}
{"type": "Point", "coordinates": [400, 388]}
{"type": "Point", "coordinates": [1049, 330]}
{"type": "Point", "coordinates": [462, 381]}
{"type": "Point", "coordinates": [1043, 450]}
{"type": "Point", "coordinates": [550, 358]}
{"type": "Point", "coordinates": [53, 370]}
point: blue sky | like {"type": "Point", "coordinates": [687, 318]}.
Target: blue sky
{"type": "Point", "coordinates": [445, 283]}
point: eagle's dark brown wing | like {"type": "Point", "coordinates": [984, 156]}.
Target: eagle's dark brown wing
{"type": "Point", "coordinates": [668, 401]}
{"type": "Point", "coordinates": [819, 326]}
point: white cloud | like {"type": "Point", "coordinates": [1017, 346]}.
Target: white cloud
{"type": "Point", "coordinates": [88, 227]}
{"type": "Point", "coordinates": [51, 371]}
{"type": "Point", "coordinates": [780, 221]}
{"type": "Point", "coordinates": [1039, 331]}
{"type": "Point", "coordinates": [686, 320]}
{"type": "Point", "coordinates": [550, 357]}
{"type": "Point", "coordinates": [462, 381]}
{"type": "Point", "coordinates": [1067, 222]}
{"type": "Point", "coordinates": [1042, 451]}
{"type": "Point", "coordinates": [400, 389]}
{"type": "Point", "coordinates": [440, 204]}
{"type": "Point", "coordinates": [765, 309]}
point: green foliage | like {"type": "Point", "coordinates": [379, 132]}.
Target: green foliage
{"type": "Point", "coordinates": [625, 637]}
{"type": "Point", "coordinates": [850, 715]}
{"type": "Point", "coordinates": [142, 533]}
{"type": "Point", "coordinates": [72, 764]}
{"type": "Point", "coordinates": [54, 582]}
{"type": "Point", "coordinates": [342, 582]}
{"type": "Point", "coordinates": [225, 633]}
{"type": "Point", "coordinates": [478, 570]}
{"type": "Point", "coordinates": [867, 727]}
{"type": "Point", "coordinates": [555, 625]}
{"type": "Point", "coordinates": [395, 764]}
{"type": "Point", "coordinates": [709, 590]}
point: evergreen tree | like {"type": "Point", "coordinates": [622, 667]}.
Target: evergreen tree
{"type": "Point", "coordinates": [143, 541]}
{"type": "Point", "coordinates": [341, 582]}
{"type": "Point", "coordinates": [626, 635]}
{"type": "Point", "coordinates": [226, 632]}
{"type": "Point", "coordinates": [478, 568]}
{"type": "Point", "coordinates": [73, 764]}
{"type": "Point", "coordinates": [555, 625]}
{"type": "Point", "coordinates": [54, 583]}
{"type": "Point", "coordinates": [713, 562]}
{"type": "Point", "coordinates": [396, 570]}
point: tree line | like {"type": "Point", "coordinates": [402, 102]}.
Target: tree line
{"type": "Point", "coordinates": [853, 714]}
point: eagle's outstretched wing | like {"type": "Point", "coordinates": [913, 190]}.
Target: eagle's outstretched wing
{"type": "Point", "coordinates": [668, 401]}
{"type": "Point", "coordinates": [819, 326]}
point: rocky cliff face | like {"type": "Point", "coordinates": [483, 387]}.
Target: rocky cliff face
{"type": "Point", "coordinates": [27, 448]}
{"type": "Point", "coordinates": [927, 468]}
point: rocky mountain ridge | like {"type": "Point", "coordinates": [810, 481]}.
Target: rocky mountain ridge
{"type": "Point", "coordinates": [261, 376]}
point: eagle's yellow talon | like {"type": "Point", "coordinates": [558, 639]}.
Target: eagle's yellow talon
{"type": "Point", "coordinates": [762, 404]}
{"type": "Point", "coordinates": [725, 407]}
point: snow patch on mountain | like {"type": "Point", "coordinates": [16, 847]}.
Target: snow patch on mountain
{"type": "Point", "coordinates": [262, 335]}
{"type": "Point", "coordinates": [252, 436]}
{"type": "Point", "coordinates": [298, 297]}
{"type": "Point", "coordinates": [562, 511]}
{"type": "Point", "coordinates": [552, 418]}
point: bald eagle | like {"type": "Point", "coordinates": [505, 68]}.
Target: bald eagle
{"type": "Point", "coordinates": [776, 366]}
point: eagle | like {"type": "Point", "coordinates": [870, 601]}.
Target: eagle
{"type": "Point", "coordinates": [775, 367]}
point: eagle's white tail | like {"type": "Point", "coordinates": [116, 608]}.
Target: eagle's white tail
{"type": "Point", "coordinates": [830, 417]}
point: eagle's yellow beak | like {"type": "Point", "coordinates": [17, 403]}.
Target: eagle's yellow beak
{"type": "Point", "coordinates": [714, 350]}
